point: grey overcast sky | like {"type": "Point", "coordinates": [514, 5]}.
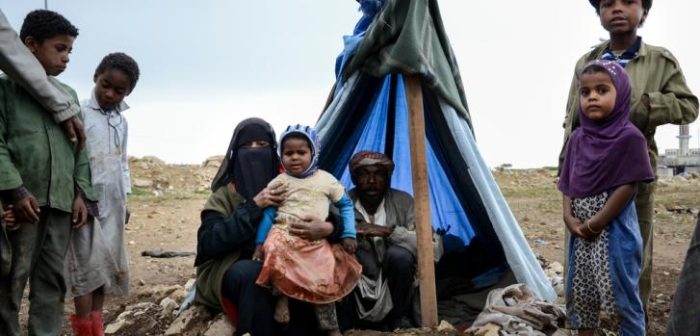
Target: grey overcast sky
{"type": "Point", "coordinates": [208, 64]}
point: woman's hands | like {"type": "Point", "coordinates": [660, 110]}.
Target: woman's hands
{"type": "Point", "coordinates": [272, 195]}
{"type": "Point", "coordinates": [259, 254]}
{"type": "Point", "coordinates": [311, 228]}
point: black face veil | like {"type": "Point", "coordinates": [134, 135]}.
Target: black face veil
{"type": "Point", "coordinates": [250, 169]}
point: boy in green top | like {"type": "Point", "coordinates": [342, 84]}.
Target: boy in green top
{"type": "Point", "coordinates": [660, 96]}
{"type": "Point", "coordinates": [46, 179]}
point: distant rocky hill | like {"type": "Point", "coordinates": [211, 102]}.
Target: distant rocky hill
{"type": "Point", "coordinates": [151, 174]}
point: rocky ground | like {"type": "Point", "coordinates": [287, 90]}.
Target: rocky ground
{"type": "Point", "coordinates": [167, 199]}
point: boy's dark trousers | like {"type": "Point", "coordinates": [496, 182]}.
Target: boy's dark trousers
{"type": "Point", "coordinates": [38, 252]}
{"type": "Point", "coordinates": [644, 204]}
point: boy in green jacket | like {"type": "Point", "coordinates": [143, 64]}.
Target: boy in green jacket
{"type": "Point", "coordinates": [46, 179]}
{"type": "Point", "coordinates": [660, 96]}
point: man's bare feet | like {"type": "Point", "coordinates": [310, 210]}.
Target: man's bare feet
{"type": "Point", "coordinates": [282, 310]}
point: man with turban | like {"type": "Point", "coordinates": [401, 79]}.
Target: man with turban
{"type": "Point", "coordinates": [387, 247]}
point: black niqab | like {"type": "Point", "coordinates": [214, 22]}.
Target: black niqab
{"type": "Point", "coordinates": [250, 169]}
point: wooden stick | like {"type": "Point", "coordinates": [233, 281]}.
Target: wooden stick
{"type": "Point", "coordinates": [424, 231]}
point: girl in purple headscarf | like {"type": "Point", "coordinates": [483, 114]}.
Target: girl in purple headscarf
{"type": "Point", "coordinates": [605, 159]}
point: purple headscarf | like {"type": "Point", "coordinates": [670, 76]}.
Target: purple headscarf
{"type": "Point", "coordinates": [606, 154]}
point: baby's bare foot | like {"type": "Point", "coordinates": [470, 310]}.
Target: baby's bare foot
{"type": "Point", "coordinates": [282, 310]}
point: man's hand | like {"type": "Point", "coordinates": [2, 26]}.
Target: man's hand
{"type": "Point", "coordinates": [271, 196]}
{"type": "Point", "coordinates": [350, 245]}
{"type": "Point", "coordinates": [373, 230]}
{"type": "Point", "coordinates": [80, 213]}
{"type": "Point", "coordinates": [646, 101]}
{"type": "Point", "coordinates": [27, 209]}
{"type": "Point", "coordinates": [311, 228]}
{"type": "Point", "coordinates": [75, 131]}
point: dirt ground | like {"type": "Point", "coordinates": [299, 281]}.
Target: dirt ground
{"type": "Point", "coordinates": [536, 204]}
{"type": "Point", "coordinates": [165, 215]}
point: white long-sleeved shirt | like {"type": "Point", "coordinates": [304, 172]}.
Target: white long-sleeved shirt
{"type": "Point", "coordinates": [107, 133]}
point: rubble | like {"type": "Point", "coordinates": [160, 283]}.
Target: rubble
{"type": "Point", "coordinates": [154, 176]}
{"type": "Point", "coordinates": [139, 319]}
{"type": "Point", "coordinates": [190, 322]}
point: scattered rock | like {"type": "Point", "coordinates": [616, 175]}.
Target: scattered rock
{"type": "Point", "coordinates": [189, 323]}
{"type": "Point", "coordinates": [115, 327]}
{"type": "Point", "coordinates": [157, 292]}
{"type": "Point", "coordinates": [489, 329]}
{"type": "Point", "coordinates": [554, 268]}
{"type": "Point", "coordinates": [142, 183]}
{"type": "Point", "coordinates": [213, 161]}
{"type": "Point", "coordinates": [220, 325]}
{"type": "Point", "coordinates": [169, 305]}
{"type": "Point", "coordinates": [445, 326]}
{"type": "Point", "coordinates": [138, 319]}
{"type": "Point", "coordinates": [178, 295]}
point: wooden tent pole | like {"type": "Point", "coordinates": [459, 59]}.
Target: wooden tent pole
{"type": "Point", "coordinates": [424, 232]}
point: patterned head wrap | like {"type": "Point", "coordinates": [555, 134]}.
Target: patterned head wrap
{"type": "Point", "coordinates": [367, 158]}
{"type": "Point", "coordinates": [309, 133]}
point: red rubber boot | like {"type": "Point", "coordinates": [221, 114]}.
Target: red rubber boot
{"type": "Point", "coordinates": [81, 327]}
{"type": "Point", "coordinates": [98, 326]}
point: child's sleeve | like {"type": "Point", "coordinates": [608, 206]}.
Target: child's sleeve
{"type": "Point", "coordinates": [125, 160]}
{"type": "Point", "coordinates": [347, 216]}
{"type": "Point", "coordinates": [340, 199]}
{"type": "Point", "coordinates": [268, 218]}
{"type": "Point", "coordinates": [674, 103]}
{"type": "Point", "coordinates": [571, 116]}
{"type": "Point", "coordinates": [9, 175]}
{"type": "Point", "coordinates": [81, 172]}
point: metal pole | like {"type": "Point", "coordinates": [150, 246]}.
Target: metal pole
{"type": "Point", "coordinates": [46, 4]}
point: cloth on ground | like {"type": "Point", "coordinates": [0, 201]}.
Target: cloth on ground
{"type": "Point", "coordinates": [461, 305]}
{"type": "Point", "coordinates": [159, 253]}
{"type": "Point", "coordinates": [518, 312]}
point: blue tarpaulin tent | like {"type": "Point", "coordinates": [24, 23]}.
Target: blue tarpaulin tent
{"type": "Point", "coordinates": [367, 110]}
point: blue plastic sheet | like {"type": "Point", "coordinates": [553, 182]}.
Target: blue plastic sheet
{"type": "Point", "coordinates": [447, 214]}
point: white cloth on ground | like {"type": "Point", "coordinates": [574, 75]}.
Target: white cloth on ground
{"type": "Point", "coordinates": [517, 311]}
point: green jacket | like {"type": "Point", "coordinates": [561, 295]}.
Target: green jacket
{"type": "Point", "coordinates": [654, 72]}
{"type": "Point", "coordinates": [210, 274]}
{"type": "Point", "coordinates": [35, 152]}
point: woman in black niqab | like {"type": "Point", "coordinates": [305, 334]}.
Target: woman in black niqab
{"type": "Point", "coordinates": [249, 166]}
